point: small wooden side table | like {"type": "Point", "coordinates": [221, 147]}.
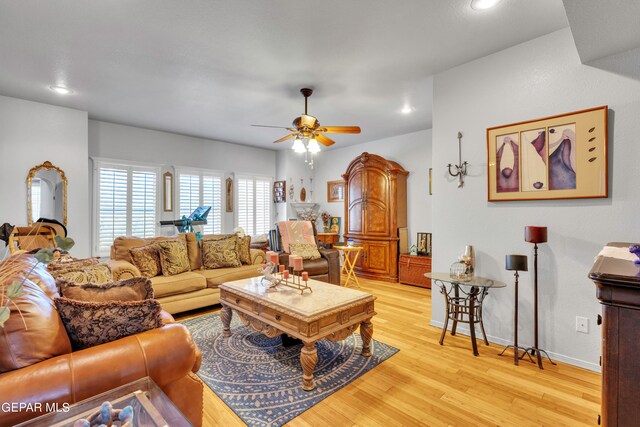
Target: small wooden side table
{"type": "Point", "coordinates": [329, 239]}
{"type": "Point", "coordinates": [349, 262]}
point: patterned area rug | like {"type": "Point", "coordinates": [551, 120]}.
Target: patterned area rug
{"type": "Point", "coordinates": [260, 379]}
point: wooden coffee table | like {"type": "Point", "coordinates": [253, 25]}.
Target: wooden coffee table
{"type": "Point", "coordinates": [330, 312]}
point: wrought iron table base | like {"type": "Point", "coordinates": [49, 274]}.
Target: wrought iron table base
{"type": "Point", "coordinates": [457, 307]}
{"type": "Point", "coordinates": [516, 353]}
{"type": "Point", "coordinates": [535, 352]}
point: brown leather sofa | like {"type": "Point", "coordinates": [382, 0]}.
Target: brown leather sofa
{"type": "Point", "coordinates": [324, 269]}
{"type": "Point", "coordinates": [168, 355]}
{"type": "Point", "coordinates": [185, 291]}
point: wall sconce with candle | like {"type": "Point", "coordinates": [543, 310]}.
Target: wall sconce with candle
{"type": "Point", "coordinates": [461, 167]}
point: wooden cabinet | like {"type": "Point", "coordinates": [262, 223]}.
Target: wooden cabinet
{"type": "Point", "coordinates": [411, 269]}
{"type": "Point", "coordinates": [329, 239]}
{"type": "Point", "coordinates": [375, 207]}
{"type": "Point", "coordinates": [618, 289]}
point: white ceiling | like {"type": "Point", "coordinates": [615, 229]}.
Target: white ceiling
{"type": "Point", "coordinates": [211, 68]}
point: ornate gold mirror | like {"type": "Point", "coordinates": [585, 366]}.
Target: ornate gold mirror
{"type": "Point", "coordinates": [46, 193]}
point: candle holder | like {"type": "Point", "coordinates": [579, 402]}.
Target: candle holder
{"type": "Point", "coordinates": [274, 277]}
{"type": "Point", "coordinates": [461, 167]}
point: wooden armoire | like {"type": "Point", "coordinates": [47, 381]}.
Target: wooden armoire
{"type": "Point", "coordinates": [375, 197]}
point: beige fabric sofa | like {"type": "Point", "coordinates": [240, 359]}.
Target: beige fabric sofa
{"type": "Point", "coordinates": [185, 291]}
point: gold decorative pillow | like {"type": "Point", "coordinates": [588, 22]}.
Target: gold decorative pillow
{"type": "Point", "coordinates": [66, 262]}
{"type": "Point", "coordinates": [305, 250]}
{"type": "Point", "coordinates": [218, 253]}
{"type": "Point", "coordinates": [243, 247]}
{"type": "Point", "coordinates": [173, 257]}
{"type": "Point", "coordinates": [93, 323]}
{"type": "Point", "coordinates": [135, 289]}
{"type": "Point", "coordinates": [96, 274]}
{"type": "Point", "coordinates": [147, 259]}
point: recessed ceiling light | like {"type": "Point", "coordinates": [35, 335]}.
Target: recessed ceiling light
{"type": "Point", "coordinates": [406, 109]}
{"type": "Point", "coordinates": [61, 90]}
{"type": "Point", "coordinates": [483, 4]}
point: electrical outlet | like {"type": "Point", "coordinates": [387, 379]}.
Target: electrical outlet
{"type": "Point", "coordinates": [582, 324]}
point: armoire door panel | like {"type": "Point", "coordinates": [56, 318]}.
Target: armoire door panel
{"type": "Point", "coordinates": [356, 203]}
{"type": "Point", "coordinates": [377, 219]}
{"type": "Point", "coordinates": [377, 200]}
{"type": "Point", "coordinates": [378, 257]}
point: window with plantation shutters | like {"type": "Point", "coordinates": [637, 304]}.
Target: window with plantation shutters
{"type": "Point", "coordinates": [126, 203]}
{"type": "Point", "coordinates": [201, 188]}
{"type": "Point", "coordinates": [254, 205]}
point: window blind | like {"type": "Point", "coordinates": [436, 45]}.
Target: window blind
{"type": "Point", "coordinates": [126, 204]}
{"type": "Point", "coordinates": [201, 189]}
{"type": "Point", "coordinates": [254, 205]}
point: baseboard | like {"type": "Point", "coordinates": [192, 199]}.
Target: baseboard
{"type": "Point", "coordinates": [501, 341]}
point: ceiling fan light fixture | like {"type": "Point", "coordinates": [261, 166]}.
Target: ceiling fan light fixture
{"type": "Point", "coordinates": [298, 146]}
{"type": "Point", "coordinates": [483, 4]}
{"type": "Point", "coordinates": [314, 147]}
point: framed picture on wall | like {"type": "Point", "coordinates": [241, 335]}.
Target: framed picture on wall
{"type": "Point", "coordinates": [430, 181]}
{"type": "Point", "coordinates": [279, 191]}
{"type": "Point", "coordinates": [558, 157]}
{"type": "Point", "coordinates": [167, 192]}
{"type": "Point", "coordinates": [424, 244]}
{"type": "Point", "coordinates": [335, 191]}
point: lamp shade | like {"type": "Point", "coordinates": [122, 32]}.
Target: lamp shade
{"type": "Point", "coordinates": [516, 263]}
{"type": "Point", "coordinates": [533, 234]}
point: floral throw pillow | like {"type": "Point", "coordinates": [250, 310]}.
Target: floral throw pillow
{"type": "Point", "coordinates": [220, 253]}
{"type": "Point", "coordinates": [243, 248]}
{"type": "Point", "coordinates": [134, 289]}
{"type": "Point", "coordinates": [96, 274]}
{"type": "Point", "coordinates": [173, 257]}
{"type": "Point", "coordinates": [147, 259]}
{"type": "Point", "coordinates": [93, 323]}
{"type": "Point", "coordinates": [305, 250]}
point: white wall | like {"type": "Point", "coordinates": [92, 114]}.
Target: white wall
{"type": "Point", "coordinates": [412, 151]}
{"type": "Point", "coordinates": [539, 78]}
{"type": "Point", "coordinates": [31, 133]}
{"type": "Point", "coordinates": [120, 142]}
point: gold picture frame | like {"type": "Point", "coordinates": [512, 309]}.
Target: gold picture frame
{"type": "Point", "coordinates": [167, 192]}
{"type": "Point", "coordinates": [229, 193]}
{"type": "Point", "coordinates": [335, 191]}
{"type": "Point", "coordinates": [557, 157]}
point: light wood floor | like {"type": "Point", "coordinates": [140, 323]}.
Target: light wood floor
{"type": "Point", "coordinates": [432, 385]}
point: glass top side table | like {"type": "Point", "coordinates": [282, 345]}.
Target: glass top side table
{"type": "Point", "coordinates": [463, 300]}
{"type": "Point", "coordinates": [151, 407]}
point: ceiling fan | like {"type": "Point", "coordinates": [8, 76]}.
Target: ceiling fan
{"type": "Point", "coordinates": [308, 127]}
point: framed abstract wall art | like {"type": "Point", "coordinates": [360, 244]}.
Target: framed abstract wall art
{"type": "Point", "coordinates": [558, 157]}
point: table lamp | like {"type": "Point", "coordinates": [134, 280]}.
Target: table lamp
{"type": "Point", "coordinates": [535, 235]}
{"type": "Point", "coordinates": [515, 263]}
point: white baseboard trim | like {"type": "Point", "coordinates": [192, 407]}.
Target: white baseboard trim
{"type": "Point", "coordinates": [501, 341]}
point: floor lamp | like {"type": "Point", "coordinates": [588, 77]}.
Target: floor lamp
{"type": "Point", "coordinates": [516, 263]}
{"type": "Point", "coordinates": [535, 235]}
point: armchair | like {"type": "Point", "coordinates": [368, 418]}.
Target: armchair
{"type": "Point", "coordinates": [326, 268]}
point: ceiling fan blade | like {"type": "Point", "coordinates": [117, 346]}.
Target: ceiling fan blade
{"type": "Point", "coordinates": [285, 138]}
{"type": "Point", "coordinates": [340, 129]}
{"type": "Point", "coordinates": [324, 140]}
{"type": "Point", "coordinates": [265, 126]}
